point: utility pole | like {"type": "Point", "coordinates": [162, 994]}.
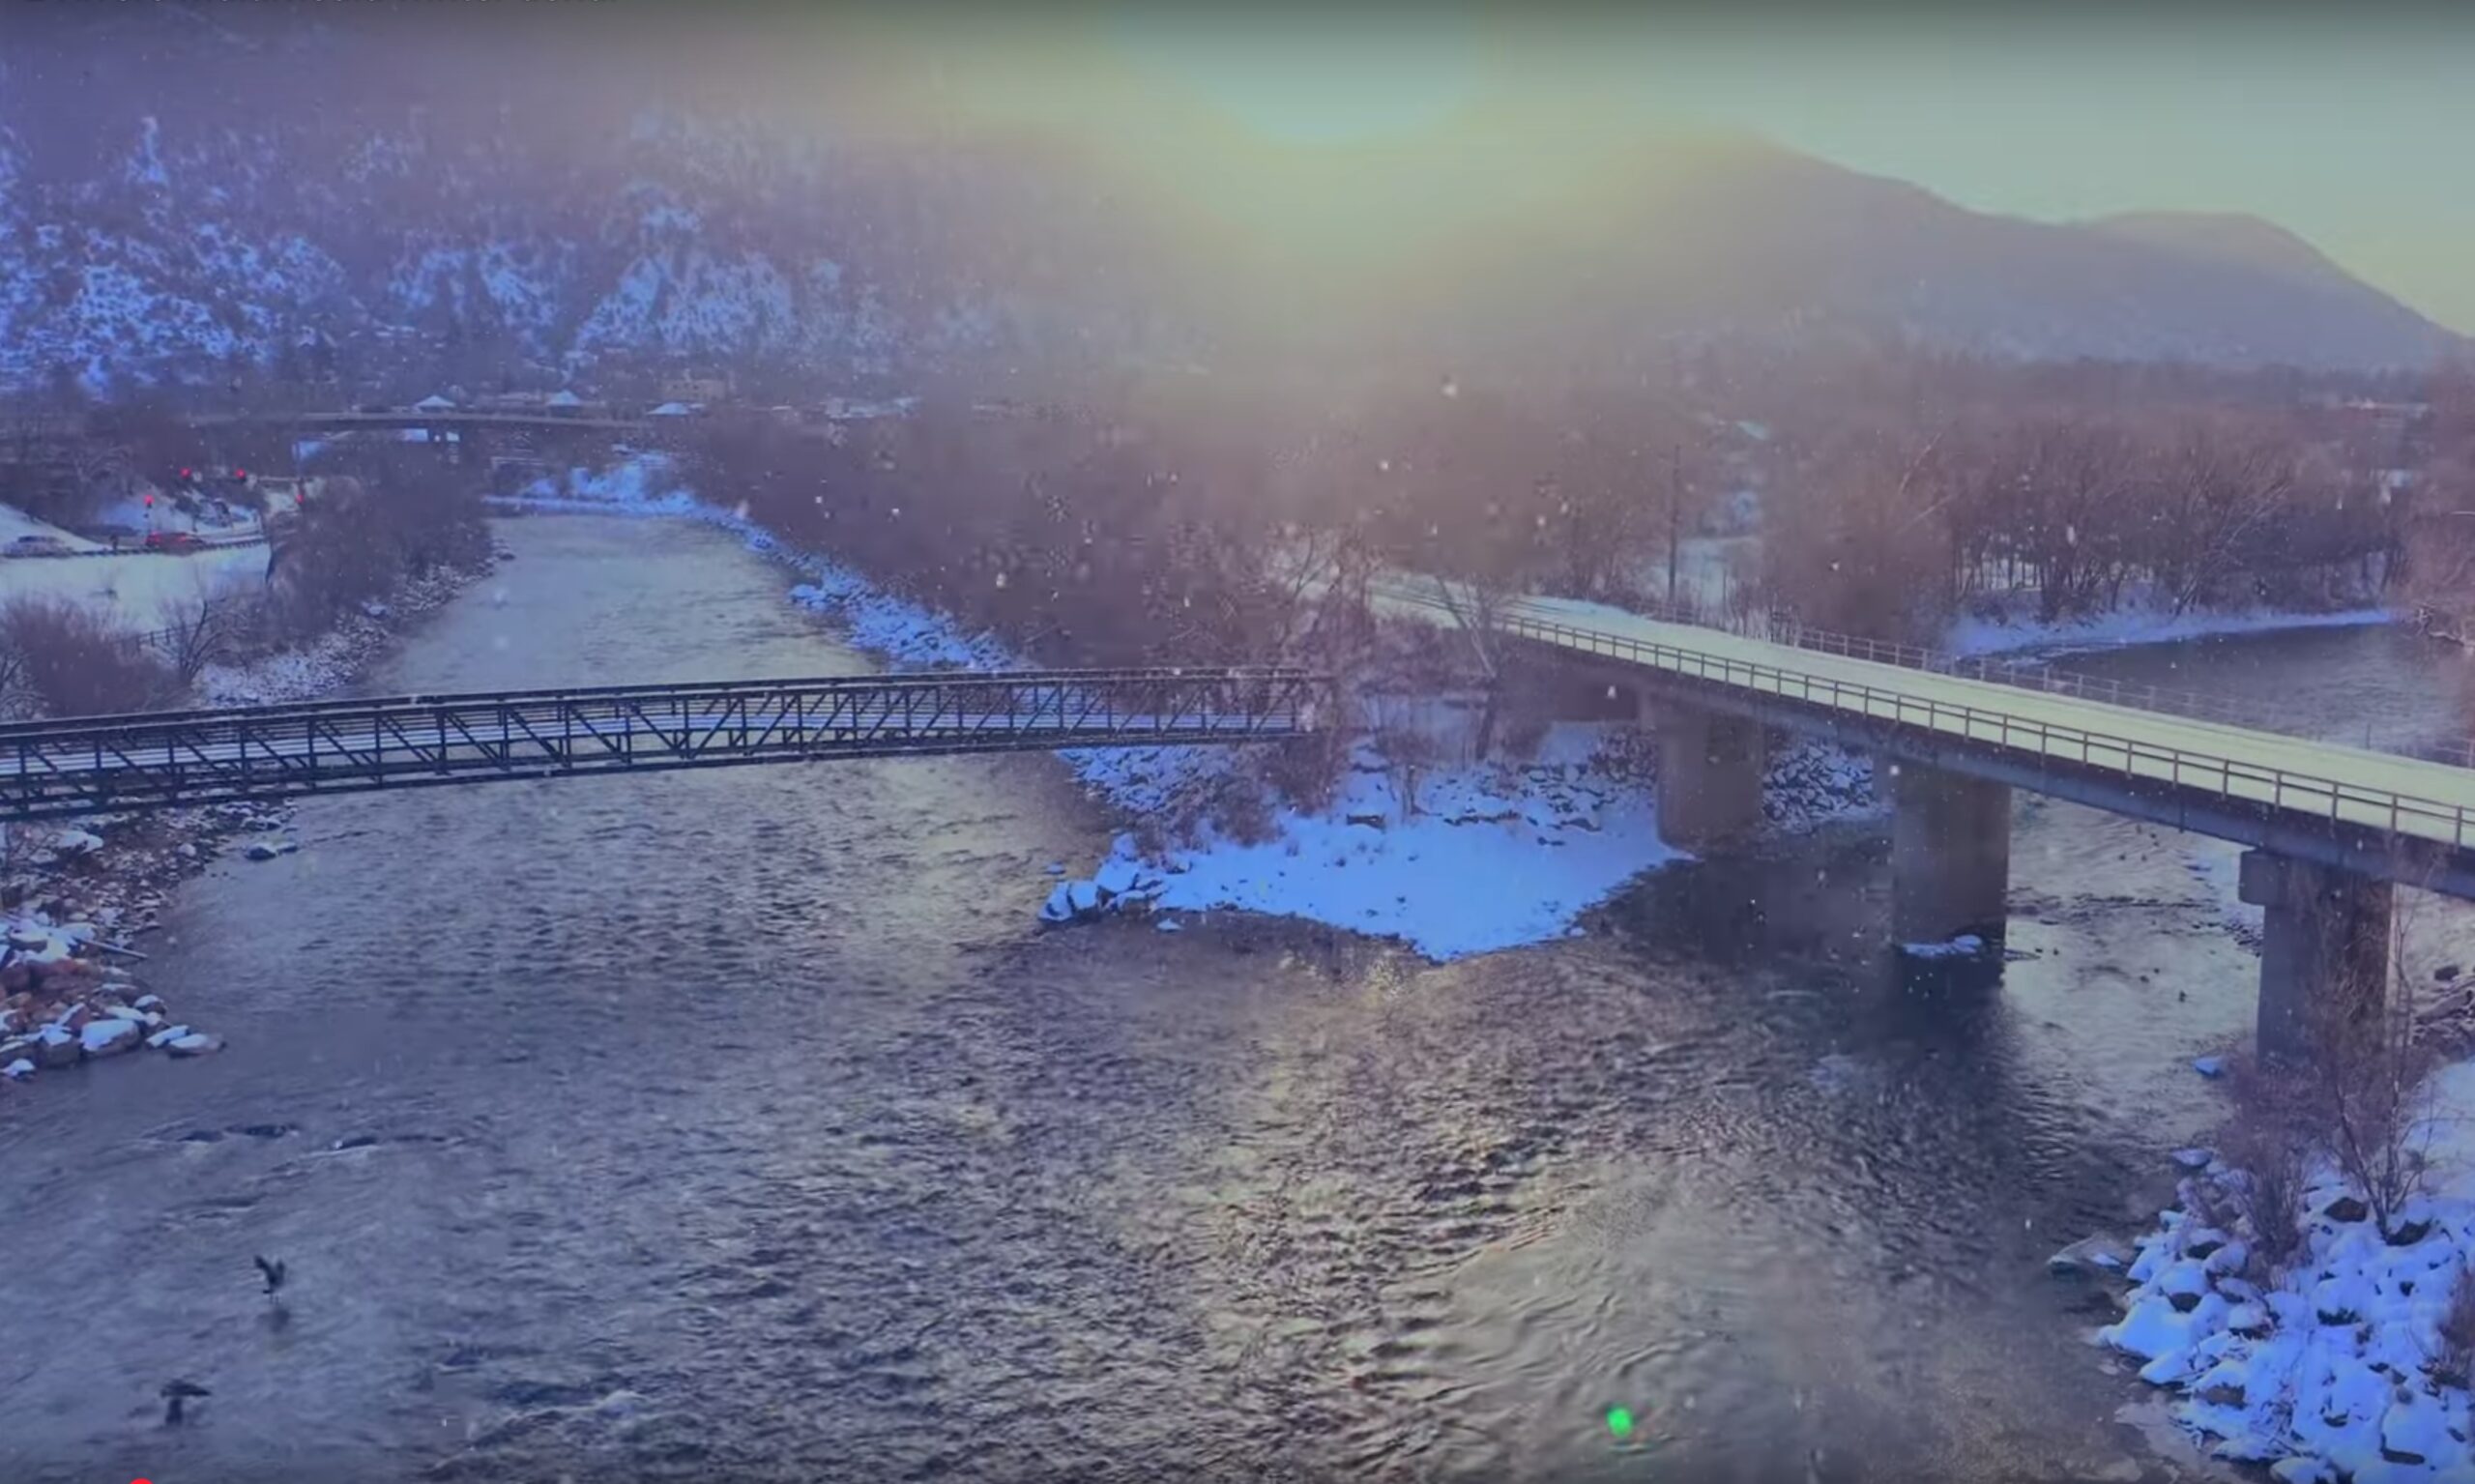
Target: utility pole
{"type": "Point", "coordinates": [1674, 506]}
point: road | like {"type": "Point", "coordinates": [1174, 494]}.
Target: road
{"type": "Point", "coordinates": [2432, 801]}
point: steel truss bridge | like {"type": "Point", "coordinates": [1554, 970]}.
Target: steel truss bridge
{"type": "Point", "coordinates": [53, 770]}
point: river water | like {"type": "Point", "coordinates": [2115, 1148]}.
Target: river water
{"type": "Point", "coordinates": [737, 1125]}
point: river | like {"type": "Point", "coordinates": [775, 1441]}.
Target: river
{"type": "Point", "coordinates": [736, 1124]}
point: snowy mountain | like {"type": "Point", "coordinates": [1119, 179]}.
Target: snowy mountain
{"type": "Point", "coordinates": [242, 186]}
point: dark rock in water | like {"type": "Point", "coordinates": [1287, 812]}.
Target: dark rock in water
{"type": "Point", "coordinates": [176, 1394]}
{"type": "Point", "coordinates": [2346, 1208]}
{"type": "Point", "coordinates": [2446, 972]}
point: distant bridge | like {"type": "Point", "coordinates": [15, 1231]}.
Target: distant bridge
{"type": "Point", "coordinates": [443, 419]}
{"type": "Point", "coordinates": [53, 770]}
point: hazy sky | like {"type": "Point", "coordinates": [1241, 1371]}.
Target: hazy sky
{"type": "Point", "coordinates": [2355, 130]}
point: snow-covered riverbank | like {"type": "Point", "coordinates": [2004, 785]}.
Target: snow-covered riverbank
{"type": "Point", "coordinates": [105, 880]}
{"type": "Point", "coordinates": [2343, 1365]}
{"type": "Point", "coordinates": [1491, 855]}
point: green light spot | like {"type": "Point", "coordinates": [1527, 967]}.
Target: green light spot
{"type": "Point", "coordinates": [1619, 1421]}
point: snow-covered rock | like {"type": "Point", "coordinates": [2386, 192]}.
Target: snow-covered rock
{"type": "Point", "coordinates": [17, 1070]}
{"type": "Point", "coordinates": [111, 1037]}
{"type": "Point", "coordinates": [165, 1036]}
{"type": "Point", "coordinates": [196, 1043]}
{"type": "Point", "coordinates": [56, 1047]}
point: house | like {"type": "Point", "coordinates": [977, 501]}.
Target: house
{"type": "Point", "coordinates": [433, 403]}
{"type": "Point", "coordinates": [564, 403]}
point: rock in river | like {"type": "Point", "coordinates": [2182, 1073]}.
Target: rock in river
{"type": "Point", "coordinates": [111, 1037]}
{"type": "Point", "coordinates": [2089, 1256]}
{"type": "Point", "coordinates": [196, 1043]}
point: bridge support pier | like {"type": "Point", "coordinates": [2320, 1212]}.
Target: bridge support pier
{"type": "Point", "coordinates": [1950, 854]}
{"type": "Point", "coordinates": [2324, 949]}
{"type": "Point", "coordinates": [1710, 768]}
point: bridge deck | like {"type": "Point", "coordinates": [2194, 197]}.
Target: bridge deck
{"type": "Point", "coordinates": [51, 770]}
{"type": "Point", "coordinates": [2027, 737]}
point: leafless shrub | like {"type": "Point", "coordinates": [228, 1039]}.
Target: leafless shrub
{"type": "Point", "coordinates": [2456, 1362]}
{"type": "Point", "coordinates": [75, 665]}
{"type": "Point", "coordinates": [2268, 1143]}
{"type": "Point", "coordinates": [1305, 770]}
{"type": "Point", "coordinates": [1409, 751]}
{"type": "Point", "coordinates": [202, 631]}
{"type": "Point", "coordinates": [1243, 814]}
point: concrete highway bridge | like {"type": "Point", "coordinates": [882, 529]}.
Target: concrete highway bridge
{"type": "Point", "coordinates": [2331, 829]}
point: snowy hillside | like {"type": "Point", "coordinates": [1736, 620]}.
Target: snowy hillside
{"type": "Point", "coordinates": [176, 202]}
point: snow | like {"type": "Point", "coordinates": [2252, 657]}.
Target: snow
{"type": "Point", "coordinates": [101, 1036]}
{"type": "Point", "coordinates": [433, 403]}
{"type": "Point", "coordinates": [136, 590]}
{"type": "Point", "coordinates": [1964, 945]}
{"type": "Point", "coordinates": [1493, 854]}
{"type": "Point", "coordinates": [669, 410]}
{"type": "Point", "coordinates": [1488, 855]}
{"type": "Point", "coordinates": [2209, 1066]}
{"type": "Point", "coordinates": [1971, 636]}
{"type": "Point", "coordinates": [2330, 1371]}
{"type": "Point", "coordinates": [15, 523]}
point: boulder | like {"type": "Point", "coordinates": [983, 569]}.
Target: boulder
{"type": "Point", "coordinates": [147, 1002]}
{"type": "Point", "coordinates": [17, 1068]}
{"type": "Point", "coordinates": [1116, 877]}
{"type": "Point", "coordinates": [111, 1037]}
{"type": "Point", "coordinates": [56, 1047]}
{"type": "Point", "coordinates": [2209, 1066]}
{"type": "Point", "coordinates": [196, 1043]}
{"type": "Point", "coordinates": [2346, 1208]}
{"type": "Point", "coordinates": [165, 1036]}
{"type": "Point", "coordinates": [1084, 897]}
{"type": "Point", "coordinates": [268, 850]}
{"type": "Point", "coordinates": [2089, 1256]}
{"type": "Point", "coordinates": [1059, 906]}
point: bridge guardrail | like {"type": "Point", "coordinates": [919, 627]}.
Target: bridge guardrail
{"type": "Point", "coordinates": [2027, 675]}
{"type": "Point", "coordinates": [2341, 803]}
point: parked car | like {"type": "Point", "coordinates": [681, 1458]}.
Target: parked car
{"type": "Point", "coordinates": [171, 541]}
{"type": "Point", "coordinates": [38, 545]}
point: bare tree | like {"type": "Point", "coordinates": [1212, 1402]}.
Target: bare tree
{"type": "Point", "coordinates": [202, 630]}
